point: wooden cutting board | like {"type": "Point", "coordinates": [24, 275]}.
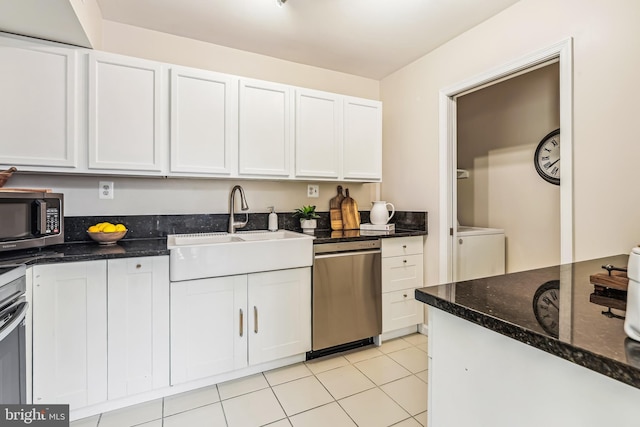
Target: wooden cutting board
{"type": "Point", "coordinates": [350, 213]}
{"type": "Point", "coordinates": [335, 210]}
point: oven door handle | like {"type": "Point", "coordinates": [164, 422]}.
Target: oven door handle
{"type": "Point", "coordinates": [19, 312]}
{"type": "Point", "coordinates": [351, 253]}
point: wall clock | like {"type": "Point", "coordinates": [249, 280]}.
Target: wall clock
{"type": "Point", "coordinates": [547, 157]}
{"type": "Point", "coordinates": [546, 306]}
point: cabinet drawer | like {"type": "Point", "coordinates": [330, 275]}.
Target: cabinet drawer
{"type": "Point", "coordinates": [402, 272]}
{"type": "Point", "coordinates": [400, 309]}
{"type": "Point", "coordinates": [401, 246]}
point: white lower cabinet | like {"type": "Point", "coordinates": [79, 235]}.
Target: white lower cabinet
{"type": "Point", "coordinates": [137, 325]}
{"type": "Point", "coordinates": [222, 324]}
{"type": "Point", "coordinates": [402, 273]}
{"type": "Point", "coordinates": [208, 327]}
{"type": "Point", "coordinates": [70, 333]}
{"type": "Point", "coordinates": [100, 330]}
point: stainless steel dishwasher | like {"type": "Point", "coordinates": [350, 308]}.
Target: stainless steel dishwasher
{"type": "Point", "coordinates": [347, 295]}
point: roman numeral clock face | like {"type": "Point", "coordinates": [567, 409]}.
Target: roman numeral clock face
{"type": "Point", "coordinates": [547, 157]}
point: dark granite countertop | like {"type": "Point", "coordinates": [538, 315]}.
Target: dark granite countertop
{"type": "Point", "coordinates": [583, 332]}
{"type": "Point", "coordinates": [86, 251]}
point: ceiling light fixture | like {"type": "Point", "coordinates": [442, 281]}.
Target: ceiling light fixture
{"type": "Point", "coordinates": [281, 2]}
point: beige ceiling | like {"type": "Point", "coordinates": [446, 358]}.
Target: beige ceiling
{"type": "Point", "coordinates": [369, 38]}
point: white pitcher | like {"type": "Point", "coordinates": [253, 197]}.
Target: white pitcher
{"type": "Point", "coordinates": [379, 214]}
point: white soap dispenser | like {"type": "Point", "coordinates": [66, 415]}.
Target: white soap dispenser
{"type": "Point", "coordinates": [273, 220]}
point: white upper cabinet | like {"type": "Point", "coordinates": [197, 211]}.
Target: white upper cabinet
{"type": "Point", "coordinates": [265, 129]}
{"type": "Point", "coordinates": [204, 122]}
{"type": "Point", "coordinates": [362, 149]}
{"type": "Point", "coordinates": [318, 134]}
{"type": "Point", "coordinates": [125, 124]}
{"type": "Point", "coordinates": [37, 105]}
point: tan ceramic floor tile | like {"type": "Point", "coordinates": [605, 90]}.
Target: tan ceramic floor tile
{"type": "Point", "coordinates": [328, 415]}
{"type": "Point", "coordinates": [154, 423]}
{"type": "Point", "coordinates": [416, 339]}
{"type": "Point", "coordinates": [288, 373]}
{"type": "Point", "coordinates": [411, 358]}
{"type": "Point", "coordinates": [359, 355]}
{"type": "Point", "coordinates": [382, 370]}
{"type": "Point", "coordinates": [190, 400]}
{"type": "Point", "coordinates": [241, 386]}
{"type": "Point", "coordinates": [423, 375]}
{"type": "Point", "coordinates": [422, 418]}
{"type": "Point", "coordinates": [373, 408]}
{"type": "Point", "coordinates": [301, 395]}
{"type": "Point", "coordinates": [86, 422]}
{"type": "Point", "coordinates": [281, 423]}
{"type": "Point", "coordinates": [345, 381]}
{"type": "Point", "coordinates": [393, 345]}
{"type": "Point", "coordinates": [324, 364]}
{"type": "Point", "coordinates": [409, 422]}
{"type": "Point", "coordinates": [409, 392]}
{"type": "Point", "coordinates": [133, 415]}
{"type": "Point", "coordinates": [252, 410]}
{"type": "Point", "coordinates": [204, 416]}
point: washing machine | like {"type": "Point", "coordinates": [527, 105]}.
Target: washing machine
{"type": "Point", "coordinates": [480, 252]}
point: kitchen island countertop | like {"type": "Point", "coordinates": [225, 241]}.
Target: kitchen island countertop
{"type": "Point", "coordinates": [514, 305]}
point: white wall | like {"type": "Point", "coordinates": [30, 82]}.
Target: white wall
{"type": "Point", "coordinates": [606, 151]}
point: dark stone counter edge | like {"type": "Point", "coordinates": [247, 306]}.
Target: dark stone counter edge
{"type": "Point", "coordinates": [603, 365]}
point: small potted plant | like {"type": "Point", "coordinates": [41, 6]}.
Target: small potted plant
{"type": "Point", "coordinates": [308, 217]}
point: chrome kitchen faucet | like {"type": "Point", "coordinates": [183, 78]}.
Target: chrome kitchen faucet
{"type": "Point", "coordinates": [233, 224]}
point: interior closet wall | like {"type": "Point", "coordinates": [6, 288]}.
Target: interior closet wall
{"type": "Point", "coordinates": [499, 128]}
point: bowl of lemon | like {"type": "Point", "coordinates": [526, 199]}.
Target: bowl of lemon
{"type": "Point", "coordinates": [106, 233]}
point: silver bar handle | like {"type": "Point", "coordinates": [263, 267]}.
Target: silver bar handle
{"type": "Point", "coordinates": [255, 319]}
{"type": "Point", "coordinates": [341, 254]}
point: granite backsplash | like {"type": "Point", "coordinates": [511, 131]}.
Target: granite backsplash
{"type": "Point", "coordinates": [155, 226]}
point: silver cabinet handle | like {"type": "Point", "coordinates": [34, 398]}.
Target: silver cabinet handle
{"type": "Point", "coordinates": [241, 323]}
{"type": "Point", "coordinates": [255, 319]}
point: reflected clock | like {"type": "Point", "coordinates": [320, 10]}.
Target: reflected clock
{"type": "Point", "coordinates": [546, 306]}
{"type": "Point", "coordinates": [547, 157]}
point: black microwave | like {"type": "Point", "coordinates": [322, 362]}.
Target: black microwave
{"type": "Point", "coordinates": [30, 220]}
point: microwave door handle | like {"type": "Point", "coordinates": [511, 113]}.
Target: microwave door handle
{"type": "Point", "coordinates": [41, 216]}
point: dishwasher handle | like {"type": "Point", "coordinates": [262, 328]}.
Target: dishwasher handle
{"type": "Point", "coordinates": [14, 315]}
{"type": "Point", "coordinates": [350, 253]}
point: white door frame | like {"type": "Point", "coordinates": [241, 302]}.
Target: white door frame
{"type": "Point", "coordinates": [448, 155]}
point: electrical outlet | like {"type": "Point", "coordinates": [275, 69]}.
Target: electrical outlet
{"type": "Point", "coordinates": [105, 189]}
{"type": "Point", "coordinates": [313, 190]}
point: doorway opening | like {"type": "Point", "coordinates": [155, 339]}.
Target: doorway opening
{"type": "Point", "coordinates": [558, 57]}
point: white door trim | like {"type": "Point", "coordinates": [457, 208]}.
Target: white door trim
{"type": "Point", "coordinates": [448, 198]}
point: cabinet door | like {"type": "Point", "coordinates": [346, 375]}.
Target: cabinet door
{"type": "Point", "coordinates": [400, 309]}
{"type": "Point", "coordinates": [138, 325]}
{"type": "Point", "coordinates": [70, 333]}
{"type": "Point", "coordinates": [362, 147]}
{"type": "Point", "coordinates": [37, 105]}
{"type": "Point", "coordinates": [279, 314]}
{"type": "Point", "coordinates": [264, 129]}
{"type": "Point", "coordinates": [204, 122]}
{"type": "Point", "coordinates": [208, 327]}
{"type": "Point", "coordinates": [318, 134]}
{"type": "Point", "coordinates": [125, 96]}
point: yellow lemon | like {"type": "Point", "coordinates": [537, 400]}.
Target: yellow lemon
{"type": "Point", "coordinates": [121, 227]}
{"type": "Point", "coordinates": [109, 228]}
{"type": "Point", "coordinates": [94, 229]}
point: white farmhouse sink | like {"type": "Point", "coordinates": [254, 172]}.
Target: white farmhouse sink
{"type": "Point", "coordinates": [197, 256]}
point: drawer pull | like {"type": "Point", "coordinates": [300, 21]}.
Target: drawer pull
{"type": "Point", "coordinates": [405, 295]}
{"type": "Point", "coordinates": [404, 261]}
{"type": "Point", "coordinates": [404, 246]}
{"type": "Point", "coordinates": [241, 323]}
{"type": "Point", "coordinates": [138, 265]}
